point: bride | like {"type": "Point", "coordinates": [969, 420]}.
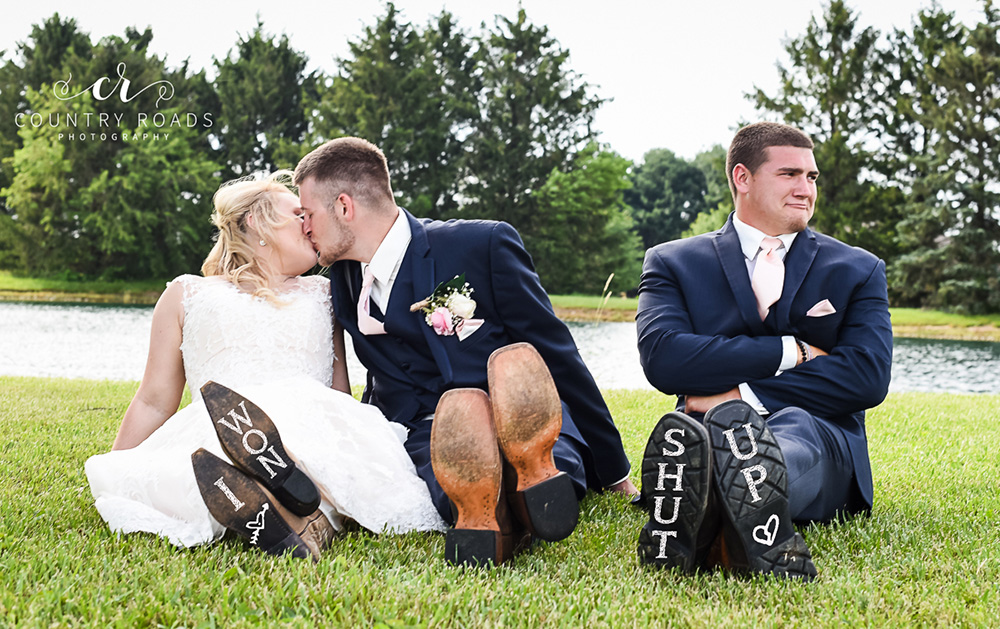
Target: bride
{"type": "Point", "coordinates": [253, 324]}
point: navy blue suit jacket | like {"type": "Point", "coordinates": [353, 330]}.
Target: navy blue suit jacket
{"type": "Point", "coordinates": [700, 334]}
{"type": "Point", "coordinates": [411, 366]}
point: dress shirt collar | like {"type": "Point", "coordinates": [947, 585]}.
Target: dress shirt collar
{"type": "Point", "coordinates": [389, 255]}
{"type": "Point", "coordinates": [751, 237]}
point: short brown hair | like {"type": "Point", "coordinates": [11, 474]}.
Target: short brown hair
{"type": "Point", "coordinates": [351, 166]}
{"type": "Point", "coordinates": [751, 142]}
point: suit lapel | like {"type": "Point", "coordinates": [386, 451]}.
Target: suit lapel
{"type": "Point", "coordinates": [797, 263]}
{"type": "Point", "coordinates": [727, 248]}
{"type": "Point", "coordinates": [345, 279]}
{"type": "Point", "coordinates": [421, 266]}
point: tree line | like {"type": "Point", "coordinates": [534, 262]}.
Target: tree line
{"type": "Point", "coordinates": [495, 124]}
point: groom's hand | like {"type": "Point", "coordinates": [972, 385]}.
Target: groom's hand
{"type": "Point", "coordinates": [704, 403]}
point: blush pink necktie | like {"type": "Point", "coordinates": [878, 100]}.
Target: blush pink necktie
{"type": "Point", "coordinates": [368, 324]}
{"type": "Point", "coordinates": [768, 276]}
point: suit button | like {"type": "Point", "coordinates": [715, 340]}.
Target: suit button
{"type": "Point", "coordinates": [405, 366]}
{"type": "Point", "coordinates": [398, 340]}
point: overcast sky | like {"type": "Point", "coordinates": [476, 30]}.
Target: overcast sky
{"type": "Point", "coordinates": [677, 70]}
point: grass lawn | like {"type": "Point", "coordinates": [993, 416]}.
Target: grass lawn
{"type": "Point", "coordinates": [14, 288]}
{"type": "Point", "coordinates": [11, 282]}
{"type": "Point", "coordinates": [928, 555]}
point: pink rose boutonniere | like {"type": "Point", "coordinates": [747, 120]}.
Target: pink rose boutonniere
{"type": "Point", "coordinates": [450, 308]}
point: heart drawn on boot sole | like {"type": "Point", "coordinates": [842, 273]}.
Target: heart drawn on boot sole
{"type": "Point", "coordinates": [765, 533]}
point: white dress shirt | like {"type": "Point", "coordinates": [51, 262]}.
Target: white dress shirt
{"type": "Point", "coordinates": [387, 260]}
{"type": "Point", "coordinates": [750, 239]}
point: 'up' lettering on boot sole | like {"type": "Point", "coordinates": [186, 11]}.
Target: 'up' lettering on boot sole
{"type": "Point", "coordinates": [751, 483]}
{"type": "Point", "coordinates": [736, 450]}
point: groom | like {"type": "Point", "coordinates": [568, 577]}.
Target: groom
{"type": "Point", "coordinates": [764, 318]}
{"type": "Point", "coordinates": [429, 357]}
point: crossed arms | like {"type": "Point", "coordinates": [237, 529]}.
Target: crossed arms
{"type": "Point", "coordinates": [680, 361]}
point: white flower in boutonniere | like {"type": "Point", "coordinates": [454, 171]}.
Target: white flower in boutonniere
{"type": "Point", "coordinates": [449, 308]}
{"type": "Point", "coordinates": [461, 305]}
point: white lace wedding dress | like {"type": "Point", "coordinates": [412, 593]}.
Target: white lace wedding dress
{"type": "Point", "coordinates": [282, 360]}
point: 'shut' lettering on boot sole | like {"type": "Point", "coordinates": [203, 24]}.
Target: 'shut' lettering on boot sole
{"type": "Point", "coordinates": [676, 486]}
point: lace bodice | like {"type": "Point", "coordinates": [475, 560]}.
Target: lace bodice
{"type": "Point", "coordinates": [235, 339]}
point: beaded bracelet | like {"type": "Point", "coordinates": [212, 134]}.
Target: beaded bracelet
{"type": "Point", "coordinates": [806, 354]}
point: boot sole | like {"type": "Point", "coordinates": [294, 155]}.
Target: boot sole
{"type": "Point", "coordinates": [528, 417]}
{"type": "Point", "coordinates": [757, 527]}
{"type": "Point", "coordinates": [236, 502]}
{"type": "Point", "coordinates": [678, 453]}
{"type": "Point", "coordinates": [467, 465]}
{"type": "Point", "coordinates": [251, 440]}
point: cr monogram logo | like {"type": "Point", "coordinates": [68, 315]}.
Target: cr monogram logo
{"type": "Point", "coordinates": [166, 89]}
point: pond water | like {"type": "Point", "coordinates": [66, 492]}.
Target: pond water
{"type": "Point", "coordinates": [110, 342]}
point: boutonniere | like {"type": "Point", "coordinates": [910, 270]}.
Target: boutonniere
{"type": "Point", "coordinates": [449, 308]}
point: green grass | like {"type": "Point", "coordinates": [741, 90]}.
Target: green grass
{"type": "Point", "coordinates": [594, 302]}
{"type": "Point", "coordinates": [916, 316]}
{"type": "Point", "coordinates": [928, 555]}
{"type": "Point", "coordinates": [10, 282]}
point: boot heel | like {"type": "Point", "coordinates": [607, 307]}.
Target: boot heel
{"type": "Point", "coordinates": [549, 508]}
{"type": "Point", "coordinates": [790, 559]}
{"type": "Point", "coordinates": [472, 547]}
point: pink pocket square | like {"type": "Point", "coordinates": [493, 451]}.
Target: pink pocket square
{"type": "Point", "coordinates": [821, 309]}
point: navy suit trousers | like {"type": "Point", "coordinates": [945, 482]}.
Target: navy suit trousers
{"type": "Point", "coordinates": [821, 481]}
{"type": "Point", "coordinates": [820, 468]}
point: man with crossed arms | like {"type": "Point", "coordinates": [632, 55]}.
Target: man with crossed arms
{"type": "Point", "coordinates": [775, 339]}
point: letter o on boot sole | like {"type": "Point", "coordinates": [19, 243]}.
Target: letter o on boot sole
{"type": "Point", "coordinates": [251, 440]}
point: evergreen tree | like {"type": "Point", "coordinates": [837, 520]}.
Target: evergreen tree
{"type": "Point", "coordinates": [585, 230]}
{"type": "Point", "coordinates": [827, 91]}
{"type": "Point", "coordinates": [261, 87]}
{"type": "Point", "coordinates": [411, 92]}
{"type": "Point", "coordinates": [947, 156]}
{"type": "Point", "coordinates": [534, 115]}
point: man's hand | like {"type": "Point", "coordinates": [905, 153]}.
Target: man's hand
{"type": "Point", "coordinates": [703, 403]}
{"type": "Point", "coordinates": [813, 352]}
{"type": "Point", "coordinates": [625, 487]}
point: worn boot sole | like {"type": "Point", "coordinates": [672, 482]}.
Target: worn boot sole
{"type": "Point", "coordinates": [528, 417]}
{"type": "Point", "coordinates": [467, 465]}
{"type": "Point", "coordinates": [251, 440]}
{"type": "Point", "coordinates": [752, 485]}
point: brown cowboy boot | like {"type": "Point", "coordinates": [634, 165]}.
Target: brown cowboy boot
{"type": "Point", "coordinates": [528, 418]}
{"type": "Point", "coordinates": [467, 465]}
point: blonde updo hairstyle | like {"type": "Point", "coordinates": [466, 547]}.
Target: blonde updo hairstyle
{"type": "Point", "coordinates": [245, 213]}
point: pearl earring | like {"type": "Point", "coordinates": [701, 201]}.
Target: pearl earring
{"type": "Point", "coordinates": [262, 243]}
